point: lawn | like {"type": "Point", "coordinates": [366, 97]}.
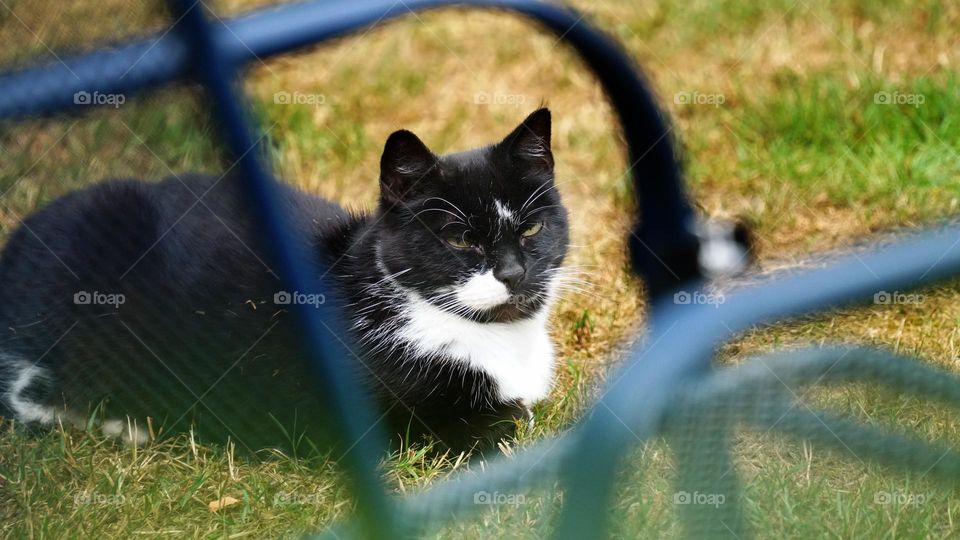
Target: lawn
{"type": "Point", "coordinates": [827, 124]}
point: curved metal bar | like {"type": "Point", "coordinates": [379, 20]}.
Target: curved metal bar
{"type": "Point", "coordinates": [326, 353]}
{"type": "Point", "coordinates": [663, 236]}
{"type": "Point", "coordinates": [682, 341]}
{"type": "Point", "coordinates": [125, 69]}
{"type": "Point", "coordinates": [664, 247]}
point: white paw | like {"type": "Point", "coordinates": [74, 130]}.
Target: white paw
{"type": "Point", "coordinates": [130, 431]}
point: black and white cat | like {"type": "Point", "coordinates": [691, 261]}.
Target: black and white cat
{"type": "Point", "coordinates": [149, 305]}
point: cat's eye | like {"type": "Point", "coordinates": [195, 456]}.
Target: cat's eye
{"type": "Point", "coordinates": [459, 242]}
{"type": "Point", "coordinates": [532, 230]}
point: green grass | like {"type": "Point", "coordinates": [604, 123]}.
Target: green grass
{"type": "Point", "coordinates": [799, 145]}
{"type": "Point", "coordinates": [886, 152]}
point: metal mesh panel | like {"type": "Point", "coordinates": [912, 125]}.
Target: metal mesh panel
{"type": "Point", "coordinates": [672, 445]}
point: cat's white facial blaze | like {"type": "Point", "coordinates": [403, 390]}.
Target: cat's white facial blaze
{"type": "Point", "coordinates": [503, 212]}
{"type": "Point", "coordinates": [482, 291]}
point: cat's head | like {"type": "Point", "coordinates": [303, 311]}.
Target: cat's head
{"type": "Point", "coordinates": [480, 233]}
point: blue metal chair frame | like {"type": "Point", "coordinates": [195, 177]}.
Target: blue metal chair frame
{"type": "Point", "coordinates": [663, 245]}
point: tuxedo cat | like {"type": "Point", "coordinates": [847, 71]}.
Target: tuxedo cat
{"type": "Point", "coordinates": [150, 308]}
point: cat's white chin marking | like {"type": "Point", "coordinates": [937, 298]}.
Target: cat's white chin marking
{"type": "Point", "coordinates": [482, 291]}
{"type": "Point", "coordinates": [518, 356]}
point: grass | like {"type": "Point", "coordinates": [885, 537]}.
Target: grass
{"type": "Point", "coordinates": [798, 145]}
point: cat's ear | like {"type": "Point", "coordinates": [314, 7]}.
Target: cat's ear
{"type": "Point", "coordinates": [405, 164]}
{"type": "Point", "coordinates": [529, 144]}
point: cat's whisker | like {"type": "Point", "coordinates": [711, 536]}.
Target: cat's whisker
{"type": "Point", "coordinates": [567, 274]}
{"type": "Point", "coordinates": [455, 207]}
{"type": "Point", "coordinates": [445, 225]}
{"type": "Point", "coordinates": [442, 296]}
{"type": "Point", "coordinates": [534, 196]}
{"type": "Point", "coordinates": [529, 213]}
{"type": "Point", "coordinates": [459, 218]}
{"type": "Point", "coordinates": [386, 278]}
{"type": "Point", "coordinates": [580, 291]}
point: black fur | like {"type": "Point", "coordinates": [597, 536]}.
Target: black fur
{"type": "Point", "coordinates": [199, 340]}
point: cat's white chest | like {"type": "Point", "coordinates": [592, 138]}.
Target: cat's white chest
{"type": "Point", "coordinates": [517, 356]}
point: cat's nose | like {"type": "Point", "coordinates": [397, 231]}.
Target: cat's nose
{"type": "Point", "coordinates": [510, 273]}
